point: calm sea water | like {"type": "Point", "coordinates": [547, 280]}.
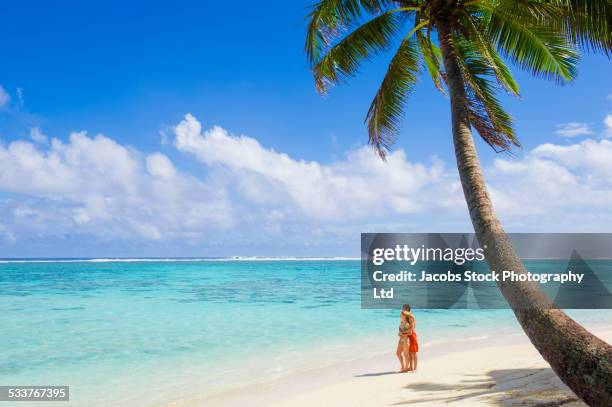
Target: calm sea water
{"type": "Point", "coordinates": [145, 332]}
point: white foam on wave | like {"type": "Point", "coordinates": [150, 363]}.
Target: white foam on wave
{"type": "Point", "coordinates": [176, 259]}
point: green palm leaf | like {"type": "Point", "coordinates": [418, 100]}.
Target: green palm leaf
{"type": "Point", "coordinates": [588, 23]}
{"type": "Point", "coordinates": [329, 17]}
{"type": "Point", "coordinates": [344, 58]}
{"type": "Point", "coordinates": [487, 51]}
{"type": "Point", "coordinates": [385, 113]}
{"type": "Point", "coordinates": [486, 114]}
{"type": "Point", "coordinates": [432, 57]}
{"type": "Point", "coordinates": [540, 49]}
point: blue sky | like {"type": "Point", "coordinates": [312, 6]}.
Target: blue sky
{"type": "Point", "coordinates": [132, 72]}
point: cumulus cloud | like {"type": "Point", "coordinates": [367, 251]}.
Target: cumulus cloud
{"type": "Point", "coordinates": [160, 166]}
{"type": "Point", "coordinates": [573, 129]}
{"type": "Point", "coordinates": [589, 157]}
{"type": "Point", "coordinates": [608, 123]}
{"type": "Point", "coordinates": [245, 191]}
{"type": "Point", "coordinates": [5, 98]}
{"type": "Point", "coordinates": [96, 186]}
{"type": "Point", "coordinates": [37, 135]}
{"type": "Point", "coordinates": [554, 187]}
{"type": "Point", "coordinates": [360, 185]}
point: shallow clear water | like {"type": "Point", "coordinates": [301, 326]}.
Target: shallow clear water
{"type": "Point", "coordinates": [140, 333]}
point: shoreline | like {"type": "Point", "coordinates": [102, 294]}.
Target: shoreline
{"type": "Point", "coordinates": [475, 371]}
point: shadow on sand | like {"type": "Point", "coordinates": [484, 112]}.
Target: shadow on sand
{"type": "Point", "coordinates": [376, 374]}
{"type": "Point", "coordinates": [507, 387]}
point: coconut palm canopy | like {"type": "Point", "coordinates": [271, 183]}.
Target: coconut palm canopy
{"type": "Point", "coordinates": [540, 36]}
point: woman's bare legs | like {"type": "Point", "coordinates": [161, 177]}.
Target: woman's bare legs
{"type": "Point", "coordinates": [409, 366]}
{"type": "Point", "coordinates": [401, 354]}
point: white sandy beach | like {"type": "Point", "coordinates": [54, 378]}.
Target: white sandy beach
{"type": "Point", "coordinates": [492, 371]}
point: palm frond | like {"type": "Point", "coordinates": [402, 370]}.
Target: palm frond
{"type": "Point", "coordinates": [541, 49]}
{"type": "Point", "coordinates": [589, 24]}
{"type": "Point", "coordinates": [586, 23]}
{"type": "Point", "coordinates": [477, 35]}
{"type": "Point", "coordinates": [329, 17]}
{"type": "Point", "coordinates": [432, 57]}
{"type": "Point", "coordinates": [541, 10]}
{"type": "Point", "coordinates": [344, 58]}
{"type": "Point", "coordinates": [486, 114]}
{"type": "Point", "coordinates": [385, 113]}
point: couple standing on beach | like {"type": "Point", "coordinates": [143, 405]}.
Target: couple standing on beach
{"type": "Point", "coordinates": [407, 346]}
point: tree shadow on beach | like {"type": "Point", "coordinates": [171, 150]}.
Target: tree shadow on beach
{"type": "Point", "coordinates": [504, 387]}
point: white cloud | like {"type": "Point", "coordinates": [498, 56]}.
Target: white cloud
{"type": "Point", "coordinates": [5, 98]}
{"type": "Point", "coordinates": [360, 185]}
{"type": "Point", "coordinates": [590, 157]}
{"type": "Point", "coordinates": [608, 123]}
{"type": "Point", "coordinates": [37, 135]}
{"type": "Point", "coordinates": [245, 192]}
{"type": "Point", "coordinates": [99, 187]}
{"type": "Point", "coordinates": [554, 187]}
{"type": "Point", "coordinates": [573, 129]}
{"type": "Point", "coordinates": [160, 166]}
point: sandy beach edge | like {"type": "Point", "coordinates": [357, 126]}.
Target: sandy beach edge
{"type": "Point", "coordinates": [486, 371]}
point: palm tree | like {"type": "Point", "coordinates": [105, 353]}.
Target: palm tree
{"type": "Point", "coordinates": [474, 39]}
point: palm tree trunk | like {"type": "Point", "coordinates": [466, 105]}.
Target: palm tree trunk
{"type": "Point", "coordinates": [580, 359]}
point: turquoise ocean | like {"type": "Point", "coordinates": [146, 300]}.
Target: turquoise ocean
{"type": "Point", "coordinates": [146, 332]}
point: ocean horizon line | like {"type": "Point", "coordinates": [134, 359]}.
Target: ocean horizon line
{"type": "Point", "coordinates": [165, 259]}
{"type": "Point", "coordinates": [6, 260]}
